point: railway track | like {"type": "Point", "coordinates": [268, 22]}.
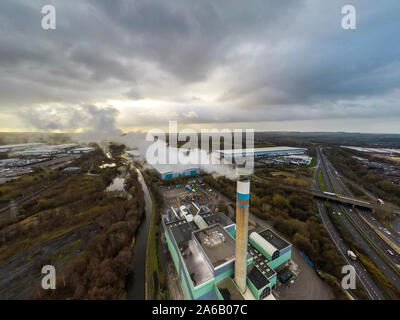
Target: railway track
{"type": "Point", "coordinates": [31, 196]}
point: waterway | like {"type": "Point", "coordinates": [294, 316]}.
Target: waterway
{"type": "Point", "coordinates": [135, 282]}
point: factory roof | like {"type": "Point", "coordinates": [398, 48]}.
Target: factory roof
{"type": "Point", "coordinates": [229, 290]}
{"type": "Point", "coordinates": [256, 150]}
{"type": "Point", "coordinates": [63, 146]}
{"type": "Point", "coordinates": [9, 160]}
{"type": "Point", "coordinates": [20, 145]}
{"type": "Point", "coordinates": [133, 153]}
{"type": "Point", "coordinates": [266, 247]}
{"type": "Point", "coordinates": [47, 149]}
{"type": "Point", "coordinates": [176, 160]}
{"type": "Point", "coordinates": [260, 261]}
{"type": "Point", "coordinates": [167, 168]}
{"type": "Point", "coordinates": [83, 149]}
{"type": "Point", "coordinates": [182, 230]}
{"type": "Point", "coordinates": [257, 278]}
{"type": "Point", "coordinates": [217, 218]}
{"type": "Point", "coordinates": [194, 259]}
{"type": "Point", "coordinates": [299, 156]}
{"type": "Point", "coordinates": [274, 239]}
{"type": "Point", "coordinates": [71, 169]}
{"type": "Point", "coordinates": [217, 245]}
{"type": "Point", "coordinates": [203, 209]}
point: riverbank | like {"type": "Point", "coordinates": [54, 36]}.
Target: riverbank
{"type": "Point", "coordinates": [149, 252]}
{"type": "Point", "coordinates": [135, 282]}
{"type": "Point", "coordinates": [155, 288]}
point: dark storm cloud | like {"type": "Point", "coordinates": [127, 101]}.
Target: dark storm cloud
{"type": "Point", "coordinates": [88, 117]}
{"type": "Point", "coordinates": [280, 59]}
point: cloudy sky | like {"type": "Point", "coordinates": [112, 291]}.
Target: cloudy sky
{"type": "Point", "coordinates": [267, 65]}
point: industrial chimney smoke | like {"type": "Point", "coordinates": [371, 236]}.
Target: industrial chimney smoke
{"type": "Point", "coordinates": [242, 223]}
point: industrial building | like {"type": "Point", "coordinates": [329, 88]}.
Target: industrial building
{"type": "Point", "coordinates": [44, 149]}
{"type": "Point", "coordinates": [81, 150]}
{"type": "Point", "coordinates": [21, 146]}
{"type": "Point", "coordinates": [261, 152]}
{"type": "Point", "coordinates": [173, 162]}
{"type": "Point", "coordinates": [133, 153]}
{"type": "Point", "coordinates": [70, 169]}
{"type": "Point", "coordinates": [169, 171]}
{"type": "Point", "coordinates": [217, 259]}
{"type": "Point", "coordinates": [299, 159]}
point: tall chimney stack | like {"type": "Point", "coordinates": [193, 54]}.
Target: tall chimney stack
{"type": "Point", "coordinates": [242, 224]}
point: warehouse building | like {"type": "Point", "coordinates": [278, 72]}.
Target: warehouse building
{"type": "Point", "coordinates": [46, 150]}
{"type": "Point", "coordinates": [81, 150]}
{"type": "Point", "coordinates": [203, 252]}
{"type": "Point", "coordinates": [169, 171]}
{"type": "Point", "coordinates": [21, 146]}
{"type": "Point", "coordinates": [133, 153]}
{"type": "Point", "coordinates": [299, 159]}
{"type": "Point", "coordinates": [261, 152]}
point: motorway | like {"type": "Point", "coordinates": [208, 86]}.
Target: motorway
{"type": "Point", "coordinates": [369, 285]}
{"type": "Point", "coordinates": [340, 188]}
{"type": "Point", "coordinates": [372, 244]}
{"type": "Point", "coordinates": [347, 200]}
{"type": "Point", "coordinates": [394, 237]}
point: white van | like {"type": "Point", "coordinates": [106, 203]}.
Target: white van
{"type": "Point", "coordinates": [351, 255]}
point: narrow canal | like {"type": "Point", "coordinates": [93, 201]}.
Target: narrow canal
{"type": "Point", "coordinates": [136, 280]}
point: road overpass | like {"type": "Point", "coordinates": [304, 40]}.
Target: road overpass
{"type": "Point", "coordinates": [338, 198]}
{"type": "Point", "coordinates": [334, 197]}
{"type": "Point", "coordinates": [346, 200]}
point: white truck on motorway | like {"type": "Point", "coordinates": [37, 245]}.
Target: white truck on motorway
{"type": "Point", "coordinates": [351, 255]}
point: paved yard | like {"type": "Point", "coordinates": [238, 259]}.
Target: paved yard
{"type": "Point", "coordinates": [308, 286]}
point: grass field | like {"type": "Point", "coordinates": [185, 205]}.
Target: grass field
{"type": "Point", "coordinates": [321, 182]}
{"type": "Point", "coordinates": [312, 164]}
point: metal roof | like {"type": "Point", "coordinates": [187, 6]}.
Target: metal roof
{"type": "Point", "coordinates": [256, 150]}
{"type": "Point", "coordinates": [217, 218]}
{"type": "Point", "coordinates": [174, 168]}
{"type": "Point", "coordinates": [220, 253]}
{"type": "Point", "coordinates": [257, 278]}
{"type": "Point", "coordinates": [260, 261]}
{"type": "Point", "coordinates": [264, 244]}
{"type": "Point", "coordinates": [274, 239]}
{"type": "Point", "coordinates": [182, 231]}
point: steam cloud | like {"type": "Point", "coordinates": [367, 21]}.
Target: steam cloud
{"type": "Point", "coordinates": [97, 123]}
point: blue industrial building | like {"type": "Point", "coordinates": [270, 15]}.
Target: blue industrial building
{"type": "Point", "coordinates": [169, 171]}
{"type": "Point", "coordinates": [202, 247]}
